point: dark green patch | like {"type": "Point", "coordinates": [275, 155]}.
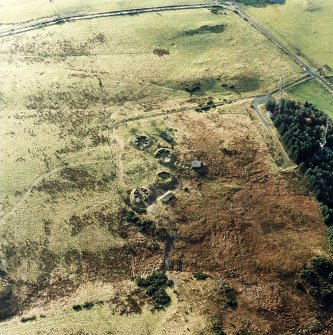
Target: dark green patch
{"type": "Point", "coordinates": [155, 286]}
{"type": "Point", "coordinates": [260, 3]}
{"type": "Point", "coordinates": [200, 276]}
{"type": "Point", "coordinates": [30, 318]}
{"type": "Point", "coordinates": [206, 29]}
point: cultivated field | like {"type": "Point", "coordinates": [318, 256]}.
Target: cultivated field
{"type": "Point", "coordinates": [313, 92]}
{"type": "Point", "coordinates": [305, 26]}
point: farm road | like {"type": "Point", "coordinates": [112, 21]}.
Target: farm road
{"type": "Point", "coordinates": [265, 32]}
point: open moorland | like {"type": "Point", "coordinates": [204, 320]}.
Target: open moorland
{"type": "Point", "coordinates": [140, 193]}
{"type": "Point", "coordinates": [62, 87]}
{"type": "Point", "coordinates": [84, 251]}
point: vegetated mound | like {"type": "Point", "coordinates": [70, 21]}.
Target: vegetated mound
{"type": "Point", "coordinates": [206, 29]}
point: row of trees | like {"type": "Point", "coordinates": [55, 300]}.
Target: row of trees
{"type": "Point", "coordinates": [303, 128]}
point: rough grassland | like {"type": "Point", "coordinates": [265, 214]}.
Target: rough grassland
{"type": "Point", "coordinates": [304, 25]}
{"type": "Point", "coordinates": [70, 241]}
{"type": "Point", "coordinates": [219, 215]}
{"type": "Point", "coordinates": [313, 92]}
{"type": "Point", "coordinates": [104, 69]}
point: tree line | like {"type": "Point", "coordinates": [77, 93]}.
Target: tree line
{"type": "Point", "coordinates": [302, 128]}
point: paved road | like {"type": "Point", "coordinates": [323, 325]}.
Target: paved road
{"type": "Point", "coordinates": [263, 99]}
{"type": "Point", "coordinates": [259, 101]}
{"type": "Point", "coordinates": [265, 32]}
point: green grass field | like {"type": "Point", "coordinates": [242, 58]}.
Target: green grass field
{"type": "Point", "coordinates": [304, 25]}
{"type": "Point", "coordinates": [18, 12]}
{"type": "Point", "coordinates": [313, 92]}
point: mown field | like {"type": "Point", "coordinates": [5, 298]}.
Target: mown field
{"type": "Point", "coordinates": [313, 92]}
{"type": "Point", "coordinates": [304, 25]}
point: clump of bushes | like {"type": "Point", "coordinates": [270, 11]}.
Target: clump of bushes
{"type": "Point", "coordinates": [229, 293]}
{"type": "Point", "coordinates": [200, 276]}
{"type": "Point", "coordinates": [155, 286]}
{"type": "Point", "coordinates": [206, 107]}
{"type": "Point", "coordinates": [330, 236]}
{"type": "Point", "coordinates": [147, 226]}
{"type": "Point", "coordinates": [87, 305]}
{"type": "Point", "coordinates": [194, 88]}
{"type": "Point", "coordinates": [317, 281]}
{"type": "Point", "coordinates": [77, 308]}
{"type": "Point", "coordinates": [144, 226]}
{"type": "Point", "coordinates": [161, 52]}
{"type": "Point", "coordinates": [323, 266]}
{"type": "Point", "coordinates": [29, 318]}
{"type": "Point", "coordinates": [216, 326]}
{"type": "Point", "coordinates": [217, 329]}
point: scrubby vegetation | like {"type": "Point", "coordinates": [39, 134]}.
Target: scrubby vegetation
{"type": "Point", "coordinates": [260, 3]}
{"type": "Point", "coordinates": [229, 293]}
{"type": "Point", "coordinates": [146, 226]}
{"type": "Point", "coordinates": [29, 318]}
{"type": "Point", "coordinates": [219, 28]}
{"type": "Point", "coordinates": [87, 305]}
{"type": "Point", "coordinates": [155, 286]}
{"type": "Point", "coordinates": [200, 276]}
{"type": "Point", "coordinates": [317, 280]}
{"type": "Point", "coordinates": [303, 128]}
{"type": "Point", "coordinates": [206, 107]}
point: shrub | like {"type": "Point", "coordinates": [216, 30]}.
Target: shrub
{"type": "Point", "coordinates": [217, 329]}
{"type": "Point", "coordinates": [155, 286]}
{"type": "Point", "coordinates": [327, 214]}
{"type": "Point", "coordinates": [161, 298]}
{"type": "Point", "coordinates": [77, 308]}
{"type": "Point", "coordinates": [88, 305]}
{"type": "Point", "coordinates": [200, 276]}
{"type": "Point", "coordinates": [322, 294]}
{"type": "Point", "coordinates": [230, 294]}
{"type": "Point", "coordinates": [29, 318]}
{"type": "Point", "coordinates": [309, 276]}
{"type": "Point", "coordinates": [323, 266]}
{"type": "Point", "coordinates": [330, 277]}
{"type": "Point", "coordinates": [330, 237]}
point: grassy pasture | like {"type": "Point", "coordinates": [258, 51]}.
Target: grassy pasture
{"type": "Point", "coordinates": [15, 13]}
{"type": "Point", "coordinates": [313, 92]}
{"type": "Point", "coordinates": [306, 26]}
